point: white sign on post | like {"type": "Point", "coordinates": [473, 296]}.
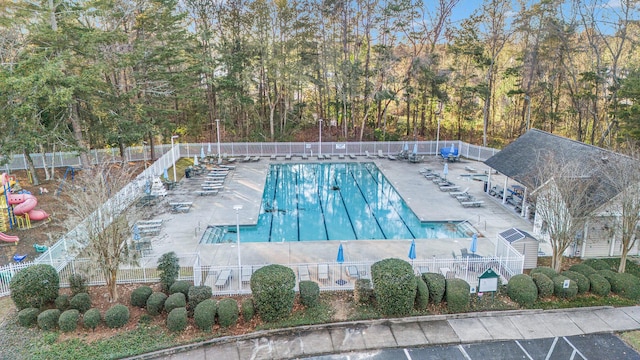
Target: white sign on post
{"type": "Point", "coordinates": [566, 283]}
{"type": "Point", "coordinates": [488, 285]}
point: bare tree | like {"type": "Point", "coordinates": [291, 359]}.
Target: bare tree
{"type": "Point", "coordinates": [564, 200]}
{"type": "Point", "coordinates": [99, 207]}
{"type": "Point", "coordinates": [623, 175]}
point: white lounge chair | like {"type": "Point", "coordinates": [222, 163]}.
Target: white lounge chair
{"type": "Point", "coordinates": [366, 152]}
{"type": "Point", "coordinates": [246, 273]}
{"type": "Point", "coordinates": [323, 272]}
{"type": "Point", "coordinates": [303, 273]}
{"type": "Point", "coordinates": [223, 278]}
{"type": "Point", "coordinates": [459, 193]}
{"type": "Point", "coordinates": [380, 154]}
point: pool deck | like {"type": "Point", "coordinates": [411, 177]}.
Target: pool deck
{"type": "Point", "coordinates": [244, 185]}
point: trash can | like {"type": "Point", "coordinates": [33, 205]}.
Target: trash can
{"type": "Point", "coordinates": [486, 185]}
{"type": "Point", "coordinates": [187, 173]}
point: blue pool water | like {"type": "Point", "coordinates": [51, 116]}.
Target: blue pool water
{"type": "Point", "coordinates": [332, 201]}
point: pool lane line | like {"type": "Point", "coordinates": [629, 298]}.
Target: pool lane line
{"type": "Point", "coordinates": [324, 219]}
{"type": "Point", "coordinates": [275, 188]}
{"type": "Point", "coordinates": [344, 205]}
{"type": "Point", "coordinates": [386, 197]}
{"type": "Point", "coordinates": [369, 206]}
{"type": "Point", "coordinates": [298, 201]}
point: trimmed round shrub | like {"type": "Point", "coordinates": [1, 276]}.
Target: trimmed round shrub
{"type": "Point", "coordinates": [35, 286]}
{"type": "Point", "coordinates": [457, 294]}
{"type": "Point", "coordinates": [62, 302]}
{"type": "Point", "coordinates": [227, 312]}
{"type": "Point", "coordinates": [597, 264]}
{"type": "Point", "coordinates": [422, 294]}
{"type": "Point", "coordinates": [78, 284]}
{"type": "Point", "coordinates": [177, 319]}
{"type": "Point", "coordinates": [394, 286]}
{"type": "Point", "coordinates": [247, 309]}
{"type": "Point", "coordinates": [140, 295]}
{"type": "Point", "coordinates": [436, 284]}
{"type": "Point", "coordinates": [175, 301]}
{"type": "Point", "coordinates": [560, 291]}
{"type": "Point", "coordinates": [626, 285]}
{"type": "Point", "coordinates": [196, 295]}
{"type": "Point", "coordinates": [180, 286]}
{"type": "Point", "coordinates": [362, 291]}
{"type": "Point", "coordinates": [583, 269]}
{"type": "Point", "coordinates": [80, 302]}
{"type": "Point", "coordinates": [522, 289]}
{"type": "Point", "coordinates": [116, 316]}
{"type": "Point", "coordinates": [550, 272]}
{"type": "Point", "coordinates": [204, 315]}
{"type": "Point", "coordinates": [309, 293]}
{"type": "Point", "coordinates": [582, 281]}
{"type": "Point", "coordinates": [544, 285]}
{"type": "Point", "coordinates": [273, 291]}
{"type": "Point", "coordinates": [607, 274]}
{"type": "Point", "coordinates": [599, 285]}
{"type": "Point", "coordinates": [91, 319]}
{"type": "Point", "coordinates": [48, 319]}
{"type": "Point", "coordinates": [169, 269]}
{"type": "Point", "coordinates": [155, 303]}
{"type": "Point", "coordinates": [28, 317]}
{"type": "Point", "coordinates": [68, 320]}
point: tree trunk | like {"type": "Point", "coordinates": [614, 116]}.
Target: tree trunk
{"type": "Point", "coordinates": [47, 175]}
{"type": "Point", "coordinates": [623, 260]}
{"type": "Point", "coordinates": [31, 168]}
{"type": "Point", "coordinates": [556, 261]}
{"type": "Point", "coordinates": [112, 285]}
{"type": "Point", "coordinates": [77, 134]}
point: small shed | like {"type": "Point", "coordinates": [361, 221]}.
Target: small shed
{"type": "Point", "coordinates": [524, 243]}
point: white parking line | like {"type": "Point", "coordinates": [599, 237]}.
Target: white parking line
{"type": "Point", "coordinates": [464, 353]}
{"type": "Point", "coordinates": [406, 353]}
{"type": "Point", "coordinates": [523, 350]}
{"type": "Point", "coordinates": [553, 345]}
{"type": "Point", "coordinates": [575, 349]}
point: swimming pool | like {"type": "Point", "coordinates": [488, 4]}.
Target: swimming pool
{"type": "Point", "coordinates": [332, 201]}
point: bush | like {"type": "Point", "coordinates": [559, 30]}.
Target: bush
{"type": "Point", "coordinates": [28, 317]}
{"type": "Point", "coordinates": [35, 286]}
{"type": "Point", "coordinates": [363, 291]}
{"type": "Point", "coordinates": [522, 289]}
{"type": "Point", "coordinates": [140, 295]}
{"type": "Point", "coordinates": [583, 269]}
{"type": "Point", "coordinates": [175, 301]}
{"type": "Point", "coordinates": [62, 302]}
{"type": "Point", "coordinates": [394, 286]}
{"type": "Point", "coordinates": [550, 272]}
{"type": "Point", "coordinates": [544, 285]}
{"type": "Point", "coordinates": [48, 319]}
{"type": "Point", "coordinates": [436, 284]}
{"type": "Point", "coordinates": [204, 315]}
{"type": "Point", "coordinates": [273, 294]}
{"type": "Point", "coordinates": [599, 285]}
{"type": "Point", "coordinates": [581, 280]}
{"type": "Point", "coordinates": [626, 285]}
{"type": "Point", "coordinates": [91, 319]}
{"type": "Point", "coordinates": [309, 293]}
{"type": "Point", "coordinates": [560, 291]}
{"type": "Point", "coordinates": [227, 312]}
{"type": "Point", "coordinates": [196, 295]}
{"type": "Point", "coordinates": [80, 302]}
{"type": "Point", "coordinates": [180, 286]}
{"type": "Point", "coordinates": [177, 319]}
{"type": "Point", "coordinates": [169, 269]}
{"type": "Point", "coordinates": [155, 303]}
{"type": "Point", "coordinates": [247, 309]}
{"type": "Point", "coordinates": [117, 316]}
{"type": "Point", "coordinates": [78, 284]}
{"type": "Point", "coordinates": [607, 274]}
{"type": "Point", "coordinates": [457, 294]}
{"type": "Point", "coordinates": [422, 294]}
{"type": "Point", "coordinates": [597, 264]}
{"type": "Point", "coordinates": [68, 320]}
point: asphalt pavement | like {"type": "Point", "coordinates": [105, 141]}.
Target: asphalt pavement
{"type": "Point", "coordinates": [527, 333]}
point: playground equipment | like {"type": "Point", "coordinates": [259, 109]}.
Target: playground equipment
{"type": "Point", "coordinates": [70, 170]}
{"type": "Point", "coordinates": [40, 248]}
{"type": "Point", "coordinates": [25, 204]}
{"type": "Point", "coordinates": [18, 209]}
{"type": "Point", "coordinates": [9, 238]}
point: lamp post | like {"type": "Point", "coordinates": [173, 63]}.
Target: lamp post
{"type": "Point", "coordinates": [218, 133]}
{"type": "Point", "coordinates": [438, 113]}
{"type": "Point", "coordinates": [173, 158]}
{"type": "Point", "coordinates": [320, 137]}
{"type": "Point", "coordinates": [237, 208]}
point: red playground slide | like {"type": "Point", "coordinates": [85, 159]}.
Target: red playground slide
{"type": "Point", "coordinates": [25, 204]}
{"type": "Point", "coordinates": [9, 238]}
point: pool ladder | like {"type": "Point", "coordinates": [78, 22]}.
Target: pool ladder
{"type": "Point", "coordinates": [213, 235]}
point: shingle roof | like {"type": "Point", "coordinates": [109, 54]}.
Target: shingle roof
{"type": "Point", "coordinates": [519, 159]}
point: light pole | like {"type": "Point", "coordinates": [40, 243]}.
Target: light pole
{"type": "Point", "coordinates": [173, 158]}
{"type": "Point", "coordinates": [218, 133]}
{"type": "Point", "coordinates": [320, 137]}
{"type": "Point", "coordinates": [237, 208]}
{"type": "Point", "coordinates": [438, 112]}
